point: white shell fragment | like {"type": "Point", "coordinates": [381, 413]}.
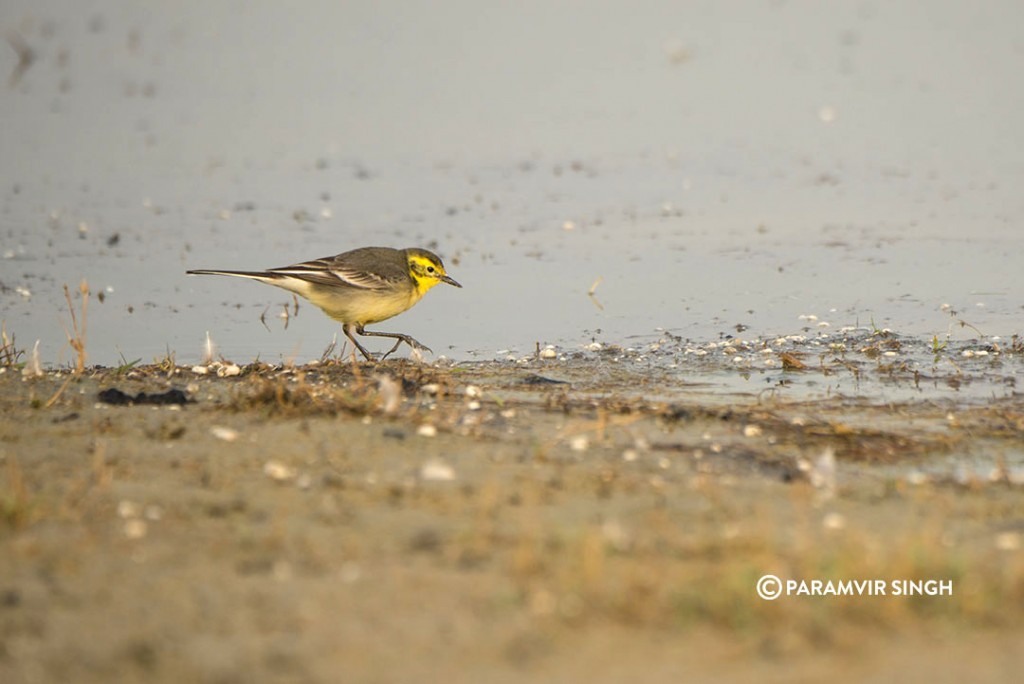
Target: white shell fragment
{"type": "Point", "coordinates": [390, 394]}
{"type": "Point", "coordinates": [834, 521]}
{"type": "Point", "coordinates": [135, 528]}
{"type": "Point", "coordinates": [437, 471]}
{"type": "Point", "coordinates": [822, 473]}
{"type": "Point", "coordinates": [33, 367]}
{"type": "Point", "coordinates": [1008, 541]}
{"type": "Point", "coordinates": [278, 471]}
{"type": "Point", "coordinates": [128, 509]}
{"type": "Point", "coordinates": [225, 433]}
{"type": "Point", "coordinates": [228, 371]}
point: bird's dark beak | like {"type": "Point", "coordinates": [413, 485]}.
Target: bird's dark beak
{"type": "Point", "coordinates": [450, 281]}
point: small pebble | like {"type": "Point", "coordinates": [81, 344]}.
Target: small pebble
{"type": "Point", "coordinates": [834, 521]}
{"type": "Point", "coordinates": [278, 471]}
{"type": "Point", "coordinates": [579, 443]}
{"type": "Point", "coordinates": [1008, 541]}
{"type": "Point", "coordinates": [917, 478]}
{"type": "Point", "coordinates": [128, 509]}
{"type": "Point", "coordinates": [135, 528]}
{"type": "Point", "coordinates": [437, 471]}
{"type": "Point", "coordinates": [426, 430]}
{"type": "Point", "coordinates": [225, 433]}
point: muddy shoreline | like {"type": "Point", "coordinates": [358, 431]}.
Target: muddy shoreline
{"type": "Point", "coordinates": [542, 518]}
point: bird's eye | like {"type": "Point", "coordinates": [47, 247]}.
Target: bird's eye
{"type": "Point", "coordinates": [430, 269]}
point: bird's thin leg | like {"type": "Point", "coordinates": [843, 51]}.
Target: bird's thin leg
{"type": "Point", "coordinates": [395, 336]}
{"type": "Point", "coordinates": [347, 328]}
{"type": "Point", "coordinates": [392, 350]}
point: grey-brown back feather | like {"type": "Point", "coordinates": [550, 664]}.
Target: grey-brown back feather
{"type": "Point", "coordinates": [371, 268]}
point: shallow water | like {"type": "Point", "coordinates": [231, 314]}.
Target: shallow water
{"type": "Point", "coordinates": [703, 171]}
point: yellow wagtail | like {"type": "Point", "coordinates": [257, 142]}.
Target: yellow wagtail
{"type": "Point", "coordinates": [360, 287]}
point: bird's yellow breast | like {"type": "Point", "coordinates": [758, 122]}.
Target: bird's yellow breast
{"type": "Point", "coordinates": [363, 308]}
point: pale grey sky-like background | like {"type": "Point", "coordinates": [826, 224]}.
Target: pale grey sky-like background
{"type": "Point", "coordinates": [713, 164]}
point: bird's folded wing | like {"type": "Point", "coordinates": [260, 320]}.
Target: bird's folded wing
{"type": "Point", "coordinates": [325, 272]}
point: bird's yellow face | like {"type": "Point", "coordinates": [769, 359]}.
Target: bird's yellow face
{"type": "Point", "coordinates": [427, 271]}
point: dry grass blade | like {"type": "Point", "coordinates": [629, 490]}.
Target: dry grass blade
{"type": "Point", "coordinates": [56, 395]}
{"type": "Point", "coordinates": [9, 353]}
{"type": "Point", "coordinates": [592, 290]}
{"type": "Point", "coordinates": [14, 502]}
{"type": "Point", "coordinates": [77, 341]}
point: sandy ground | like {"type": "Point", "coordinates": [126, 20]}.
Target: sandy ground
{"type": "Point", "coordinates": [493, 522]}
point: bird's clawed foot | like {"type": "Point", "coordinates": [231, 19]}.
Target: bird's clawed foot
{"type": "Point", "coordinates": [417, 347]}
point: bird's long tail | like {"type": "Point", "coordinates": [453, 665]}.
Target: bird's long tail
{"type": "Point", "coordinates": [258, 275]}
